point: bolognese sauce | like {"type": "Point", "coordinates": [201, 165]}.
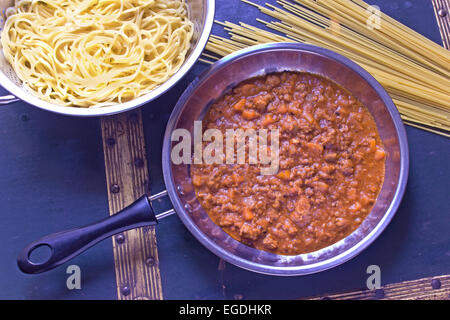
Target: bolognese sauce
{"type": "Point", "coordinates": [331, 164]}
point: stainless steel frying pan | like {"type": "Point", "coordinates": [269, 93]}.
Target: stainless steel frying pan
{"type": "Point", "coordinates": [192, 105]}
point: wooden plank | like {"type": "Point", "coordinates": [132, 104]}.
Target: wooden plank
{"type": "Point", "coordinates": [442, 11]}
{"type": "Point", "coordinates": [135, 251]}
{"type": "Point", "coordinates": [432, 288]}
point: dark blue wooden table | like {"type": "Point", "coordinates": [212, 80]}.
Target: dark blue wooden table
{"type": "Point", "coordinates": [52, 177]}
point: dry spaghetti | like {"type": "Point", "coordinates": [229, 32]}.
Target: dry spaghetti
{"type": "Point", "coordinates": [96, 53]}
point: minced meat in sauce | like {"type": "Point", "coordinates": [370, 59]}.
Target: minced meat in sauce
{"type": "Point", "coordinates": [331, 165]}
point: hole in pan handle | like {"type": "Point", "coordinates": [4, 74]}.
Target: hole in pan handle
{"type": "Point", "coordinates": [68, 244]}
{"type": "Point", "coordinates": [8, 99]}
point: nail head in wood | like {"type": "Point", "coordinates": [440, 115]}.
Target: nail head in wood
{"type": "Point", "coordinates": [138, 162]}
{"type": "Point", "coordinates": [442, 13]}
{"type": "Point", "coordinates": [125, 290]}
{"type": "Point", "coordinates": [110, 141]}
{"type": "Point", "coordinates": [115, 188]}
{"type": "Point", "coordinates": [120, 238]}
{"type": "Point", "coordinates": [150, 261]}
{"type": "Point", "coordinates": [435, 284]}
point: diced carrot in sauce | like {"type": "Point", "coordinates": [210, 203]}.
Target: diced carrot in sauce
{"type": "Point", "coordinates": [282, 108]}
{"type": "Point", "coordinates": [247, 214]}
{"type": "Point", "coordinates": [285, 174]}
{"type": "Point", "coordinates": [372, 144]}
{"type": "Point", "coordinates": [315, 147]}
{"type": "Point", "coordinates": [240, 105]}
{"type": "Point", "coordinates": [197, 180]}
{"type": "Point", "coordinates": [379, 154]}
{"type": "Point", "coordinates": [268, 119]}
{"type": "Point", "coordinates": [322, 186]}
{"type": "Point", "coordinates": [250, 114]}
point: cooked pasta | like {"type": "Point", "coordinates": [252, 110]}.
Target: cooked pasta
{"type": "Point", "coordinates": [92, 53]}
{"type": "Point", "coordinates": [413, 69]}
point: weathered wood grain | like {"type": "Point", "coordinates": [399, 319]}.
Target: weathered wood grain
{"type": "Point", "coordinates": [135, 251]}
{"type": "Point", "coordinates": [432, 288]}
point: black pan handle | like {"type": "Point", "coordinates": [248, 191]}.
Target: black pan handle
{"type": "Point", "coordinates": [68, 244]}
